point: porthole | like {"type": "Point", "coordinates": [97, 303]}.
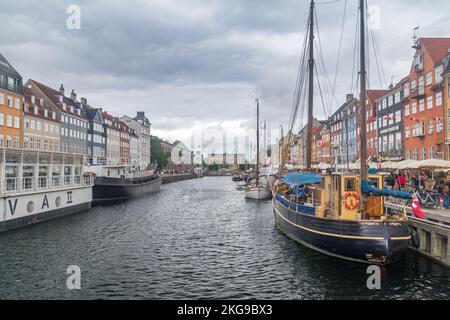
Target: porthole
{"type": "Point", "coordinates": [30, 207]}
{"type": "Point", "coordinates": [58, 202]}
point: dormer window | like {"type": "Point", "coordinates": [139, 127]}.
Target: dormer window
{"type": "Point", "coordinates": [79, 112]}
{"type": "Point", "coordinates": [64, 107]}
{"type": "Point", "coordinates": [71, 109]}
{"type": "Point", "coordinates": [54, 115]}
{"type": "Point", "coordinates": [46, 113]}
{"type": "Point", "coordinates": [418, 62]}
{"type": "Point", "coordinates": [33, 99]}
{"type": "Point", "coordinates": [61, 98]}
{"type": "Point", "coordinates": [42, 102]}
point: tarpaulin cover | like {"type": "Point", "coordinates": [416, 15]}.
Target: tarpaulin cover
{"type": "Point", "coordinates": [296, 181]}
{"type": "Point", "coordinates": [368, 190]}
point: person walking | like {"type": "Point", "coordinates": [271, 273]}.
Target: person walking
{"type": "Point", "coordinates": [401, 181]}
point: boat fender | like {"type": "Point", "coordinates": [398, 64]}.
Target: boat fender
{"type": "Point", "coordinates": [351, 205]}
{"type": "Point", "coordinates": [415, 240]}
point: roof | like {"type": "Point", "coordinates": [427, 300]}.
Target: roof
{"type": "Point", "coordinates": [373, 95]}
{"type": "Point", "coordinates": [7, 68]}
{"type": "Point", "coordinates": [27, 99]}
{"type": "Point", "coordinates": [437, 48]}
{"type": "Point", "coordinates": [447, 70]}
{"type": "Point", "coordinates": [53, 96]}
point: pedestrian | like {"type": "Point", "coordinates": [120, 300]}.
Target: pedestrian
{"type": "Point", "coordinates": [446, 196]}
{"type": "Point", "coordinates": [401, 181]}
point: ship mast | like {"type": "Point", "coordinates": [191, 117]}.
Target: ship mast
{"type": "Point", "coordinates": [311, 89]}
{"type": "Point", "coordinates": [363, 125]}
{"type": "Point", "coordinates": [257, 142]}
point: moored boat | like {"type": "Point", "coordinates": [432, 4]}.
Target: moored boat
{"type": "Point", "coordinates": [119, 183]}
{"type": "Point", "coordinates": [339, 214]}
{"type": "Point", "coordinates": [38, 186]}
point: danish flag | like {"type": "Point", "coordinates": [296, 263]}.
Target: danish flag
{"type": "Point", "coordinates": [416, 209]}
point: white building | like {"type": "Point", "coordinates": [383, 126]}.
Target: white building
{"type": "Point", "coordinates": [141, 126]}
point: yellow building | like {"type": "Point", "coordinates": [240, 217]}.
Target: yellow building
{"type": "Point", "coordinates": [11, 98]}
{"type": "Point", "coordinates": [446, 76]}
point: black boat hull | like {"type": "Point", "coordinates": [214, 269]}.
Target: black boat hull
{"type": "Point", "coordinates": [373, 242]}
{"type": "Point", "coordinates": [115, 189]}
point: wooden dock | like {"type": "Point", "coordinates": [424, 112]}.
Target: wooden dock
{"type": "Point", "coordinates": [433, 232]}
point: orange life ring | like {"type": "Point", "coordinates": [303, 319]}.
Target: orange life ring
{"type": "Point", "coordinates": [351, 205]}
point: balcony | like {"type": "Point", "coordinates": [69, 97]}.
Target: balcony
{"type": "Point", "coordinates": [418, 93]}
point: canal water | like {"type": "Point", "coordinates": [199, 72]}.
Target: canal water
{"type": "Point", "coordinates": [194, 239]}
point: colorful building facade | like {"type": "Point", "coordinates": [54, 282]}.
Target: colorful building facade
{"type": "Point", "coordinates": [11, 99]}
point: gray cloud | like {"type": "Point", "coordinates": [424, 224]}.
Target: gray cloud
{"type": "Point", "coordinates": [200, 61]}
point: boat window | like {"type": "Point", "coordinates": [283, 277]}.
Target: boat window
{"type": "Point", "coordinates": [350, 185]}
{"type": "Point", "coordinates": [373, 182]}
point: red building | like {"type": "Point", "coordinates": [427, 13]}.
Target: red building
{"type": "Point", "coordinates": [371, 116]}
{"type": "Point", "coordinates": [424, 104]}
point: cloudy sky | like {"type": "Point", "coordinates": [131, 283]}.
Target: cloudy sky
{"type": "Point", "coordinates": [193, 64]}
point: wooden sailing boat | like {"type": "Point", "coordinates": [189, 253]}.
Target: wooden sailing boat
{"type": "Point", "coordinates": [257, 191]}
{"type": "Point", "coordinates": [339, 214]}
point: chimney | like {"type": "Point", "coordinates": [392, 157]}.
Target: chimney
{"type": "Point", "coordinates": [73, 95]}
{"type": "Point", "coordinates": [349, 97]}
{"type": "Point", "coordinates": [84, 102]}
{"type": "Point", "coordinates": [61, 89]}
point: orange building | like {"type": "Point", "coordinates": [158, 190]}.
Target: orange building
{"type": "Point", "coordinates": [424, 106]}
{"type": "Point", "coordinates": [11, 99]}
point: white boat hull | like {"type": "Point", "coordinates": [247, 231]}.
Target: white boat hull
{"type": "Point", "coordinates": [257, 193]}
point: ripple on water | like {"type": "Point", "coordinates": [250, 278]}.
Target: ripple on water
{"type": "Point", "coordinates": [194, 239]}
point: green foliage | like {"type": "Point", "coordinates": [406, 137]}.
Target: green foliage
{"type": "Point", "coordinates": [213, 167]}
{"type": "Point", "coordinates": [157, 153]}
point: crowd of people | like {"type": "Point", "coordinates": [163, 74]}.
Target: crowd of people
{"type": "Point", "coordinates": [434, 193]}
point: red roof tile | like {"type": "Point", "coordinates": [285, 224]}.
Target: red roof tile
{"type": "Point", "coordinates": [437, 48]}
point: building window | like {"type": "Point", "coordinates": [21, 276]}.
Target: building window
{"type": "Point", "coordinates": [17, 122]}
{"type": "Point", "coordinates": [2, 119]}
{"type": "Point", "coordinates": [390, 100]}
{"type": "Point", "coordinates": [406, 90]}
{"type": "Point", "coordinates": [407, 132]}
{"type": "Point", "coordinates": [414, 107]}
{"type": "Point", "coordinates": [430, 102]}
{"type": "Point", "coordinates": [10, 102]}
{"type": "Point", "coordinates": [8, 141]}
{"type": "Point", "coordinates": [438, 73]}
{"type": "Point", "coordinates": [439, 126]}
{"type": "Point", "coordinates": [439, 99]}
{"type": "Point", "coordinates": [398, 141]}
{"type": "Point", "coordinates": [17, 103]}
{"type": "Point", "coordinates": [2, 99]}
{"type": "Point", "coordinates": [407, 110]}
{"type": "Point", "coordinates": [9, 121]}
{"type": "Point", "coordinates": [408, 154]}
{"type": "Point", "coordinates": [416, 154]}
{"type": "Point", "coordinates": [398, 116]}
{"type": "Point", "coordinates": [431, 152]}
{"type": "Point", "coordinates": [422, 105]}
{"type": "Point", "coordinates": [429, 78]}
{"type": "Point", "coordinates": [431, 127]}
{"type": "Point", "coordinates": [423, 153]}
{"type": "Point", "coordinates": [16, 142]}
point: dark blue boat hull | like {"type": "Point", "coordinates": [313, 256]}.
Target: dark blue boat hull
{"type": "Point", "coordinates": [374, 242]}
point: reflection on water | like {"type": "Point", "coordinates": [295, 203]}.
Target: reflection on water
{"type": "Point", "coordinates": [194, 239]}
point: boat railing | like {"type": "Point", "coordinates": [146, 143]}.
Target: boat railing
{"type": "Point", "coordinates": [11, 184]}
{"type": "Point", "coordinates": [27, 183]}
{"type": "Point", "coordinates": [56, 182]}
{"type": "Point", "coordinates": [67, 181]}
{"type": "Point", "coordinates": [33, 183]}
{"type": "Point", "coordinates": [77, 180]}
{"type": "Point", "coordinates": [42, 183]}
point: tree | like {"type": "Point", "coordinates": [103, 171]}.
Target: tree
{"type": "Point", "coordinates": [157, 153]}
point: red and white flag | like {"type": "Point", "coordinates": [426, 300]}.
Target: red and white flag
{"type": "Point", "coordinates": [416, 209]}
